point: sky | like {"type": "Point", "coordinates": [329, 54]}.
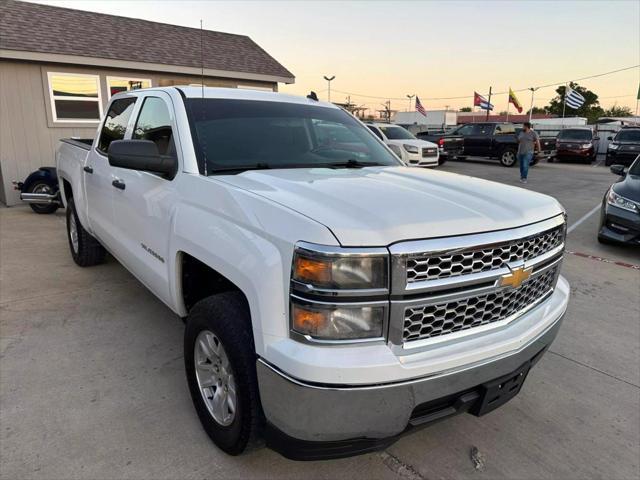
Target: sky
{"type": "Point", "coordinates": [434, 49]}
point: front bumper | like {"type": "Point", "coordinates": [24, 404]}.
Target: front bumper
{"type": "Point", "coordinates": [574, 153]}
{"type": "Point", "coordinates": [308, 420]}
{"type": "Point", "coordinates": [619, 157]}
{"type": "Point", "coordinates": [619, 225]}
{"type": "Point", "coordinates": [417, 160]}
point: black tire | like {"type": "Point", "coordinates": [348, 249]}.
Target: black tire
{"type": "Point", "coordinates": [608, 161]}
{"type": "Point", "coordinates": [88, 251]}
{"type": "Point", "coordinates": [42, 186]}
{"type": "Point", "coordinates": [227, 316]}
{"type": "Point", "coordinates": [508, 157]}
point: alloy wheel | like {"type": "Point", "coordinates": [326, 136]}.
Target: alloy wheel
{"type": "Point", "coordinates": [215, 378]}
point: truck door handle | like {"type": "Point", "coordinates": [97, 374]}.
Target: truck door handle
{"type": "Point", "coordinates": [88, 169]}
{"type": "Point", "coordinates": [118, 184]}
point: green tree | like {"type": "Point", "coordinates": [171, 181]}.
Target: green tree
{"type": "Point", "coordinates": [590, 109]}
{"type": "Point", "coordinates": [466, 109]}
{"type": "Point", "coordinates": [618, 111]}
{"type": "Point", "coordinates": [536, 110]}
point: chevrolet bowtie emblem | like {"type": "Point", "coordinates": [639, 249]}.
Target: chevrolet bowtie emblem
{"type": "Point", "coordinates": [516, 277]}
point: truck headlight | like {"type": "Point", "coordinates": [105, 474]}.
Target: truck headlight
{"type": "Point", "coordinates": [337, 322]}
{"type": "Point", "coordinates": [339, 295]}
{"type": "Point", "coordinates": [585, 145]}
{"type": "Point", "coordinates": [330, 268]}
{"type": "Point", "coordinates": [613, 146]}
{"type": "Point", "coordinates": [619, 201]}
{"type": "Point", "coordinates": [411, 148]}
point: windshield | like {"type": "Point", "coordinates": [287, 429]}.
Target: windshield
{"type": "Point", "coordinates": [635, 167]}
{"type": "Point", "coordinates": [243, 134]}
{"type": "Point", "coordinates": [396, 133]}
{"type": "Point", "coordinates": [574, 135]}
{"type": "Point", "coordinates": [628, 136]}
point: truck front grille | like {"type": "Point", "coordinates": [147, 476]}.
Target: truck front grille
{"type": "Point", "coordinates": [429, 152]}
{"type": "Point", "coordinates": [449, 286]}
{"type": "Point", "coordinates": [429, 266]}
{"type": "Point", "coordinates": [435, 320]}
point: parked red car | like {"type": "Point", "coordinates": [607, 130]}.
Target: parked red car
{"type": "Point", "coordinates": [577, 143]}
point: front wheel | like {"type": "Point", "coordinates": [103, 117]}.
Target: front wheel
{"type": "Point", "coordinates": [508, 157]}
{"type": "Point", "coordinates": [220, 363]}
{"type": "Point", "coordinates": [47, 188]}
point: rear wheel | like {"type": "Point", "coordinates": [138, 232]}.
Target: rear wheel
{"type": "Point", "coordinates": [85, 249]}
{"type": "Point", "coordinates": [220, 363]}
{"type": "Point", "coordinates": [47, 188]}
{"type": "Point", "coordinates": [508, 157]}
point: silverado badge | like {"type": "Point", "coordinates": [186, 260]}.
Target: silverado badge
{"type": "Point", "coordinates": [516, 277]}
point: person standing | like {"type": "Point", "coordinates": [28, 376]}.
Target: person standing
{"type": "Point", "coordinates": [528, 143]}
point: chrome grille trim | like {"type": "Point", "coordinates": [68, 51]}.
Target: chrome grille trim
{"type": "Point", "coordinates": [500, 305]}
{"type": "Point", "coordinates": [425, 267]}
{"type": "Point", "coordinates": [402, 252]}
{"type": "Point", "coordinates": [441, 319]}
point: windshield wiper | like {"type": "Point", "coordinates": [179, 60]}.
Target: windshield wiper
{"type": "Point", "coordinates": [352, 163]}
{"type": "Point", "coordinates": [240, 168]}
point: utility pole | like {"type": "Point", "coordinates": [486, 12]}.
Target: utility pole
{"type": "Point", "coordinates": [531, 107]}
{"type": "Point", "coordinates": [328, 79]}
{"type": "Point", "coordinates": [489, 105]}
{"type": "Point", "coordinates": [410, 97]}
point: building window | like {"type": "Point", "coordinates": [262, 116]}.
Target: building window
{"type": "Point", "coordinates": [75, 98]}
{"type": "Point", "coordinates": [124, 84]}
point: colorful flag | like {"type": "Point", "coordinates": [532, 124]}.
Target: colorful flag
{"type": "Point", "coordinates": [514, 100]}
{"type": "Point", "coordinates": [480, 101]}
{"type": "Point", "coordinates": [573, 99]}
{"type": "Point", "coordinates": [419, 107]}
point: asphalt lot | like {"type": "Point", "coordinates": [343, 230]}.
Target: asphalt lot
{"type": "Point", "coordinates": [92, 381]}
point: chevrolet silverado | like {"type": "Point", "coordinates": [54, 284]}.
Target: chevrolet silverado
{"type": "Point", "coordinates": [334, 299]}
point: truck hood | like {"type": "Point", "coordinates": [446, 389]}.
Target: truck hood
{"type": "Point", "coordinates": [378, 206]}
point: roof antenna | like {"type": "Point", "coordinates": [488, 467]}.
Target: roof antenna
{"type": "Point", "coordinates": [313, 96]}
{"type": "Point", "coordinates": [204, 146]}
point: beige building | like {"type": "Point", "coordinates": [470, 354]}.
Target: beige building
{"type": "Point", "coordinates": [59, 68]}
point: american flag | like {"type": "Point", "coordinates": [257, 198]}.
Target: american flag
{"type": "Point", "coordinates": [420, 108]}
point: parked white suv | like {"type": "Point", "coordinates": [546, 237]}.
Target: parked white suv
{"type": "Point", "coordinates": [411, 150]}
{"type": "Point", "coordinates": [334, 299]}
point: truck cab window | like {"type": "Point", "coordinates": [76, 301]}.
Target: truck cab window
{"type": "Point", "coordinates": [115, 124]}
{"type": "Point", "coordinates": [154, 123]}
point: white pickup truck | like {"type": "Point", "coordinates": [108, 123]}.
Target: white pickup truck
{"type": "Point", "coordinates": [334, 298]}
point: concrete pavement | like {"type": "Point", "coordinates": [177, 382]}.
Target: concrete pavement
{"type": "Point", "coordinates": [92, 379]}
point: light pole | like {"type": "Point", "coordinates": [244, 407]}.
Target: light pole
{"type": "Point", "coordinates": [328, 79]}
{"type": "Point", "coordinates": [410, 97]}
{"type": "Point", "coordinates": [531, 107]}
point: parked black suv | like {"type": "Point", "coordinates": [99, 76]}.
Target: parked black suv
{"type": "Point", "coordinates": [624, 147]}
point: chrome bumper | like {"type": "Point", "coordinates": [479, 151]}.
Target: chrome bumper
{"type": "Point", "coordinates": [331, 413]}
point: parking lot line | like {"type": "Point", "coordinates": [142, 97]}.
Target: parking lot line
{"type": "Point", "coordinates": [604, 260]}
{"type": "Point", "coordinates": [582, 219]}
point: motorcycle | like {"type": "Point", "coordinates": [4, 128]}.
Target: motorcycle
{"type": "Point", "coordinates": [40, 190]}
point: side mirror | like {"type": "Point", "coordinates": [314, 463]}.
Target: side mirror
{"type": "Point", "coordinates": [618, 170]}
{"type": "Point", "coordinates": [141, 155]}
{"type": "Point", "coordinates": [610, 138]}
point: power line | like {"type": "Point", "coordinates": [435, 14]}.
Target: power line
{"type": "Point", "coordinates": [494, 93]}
